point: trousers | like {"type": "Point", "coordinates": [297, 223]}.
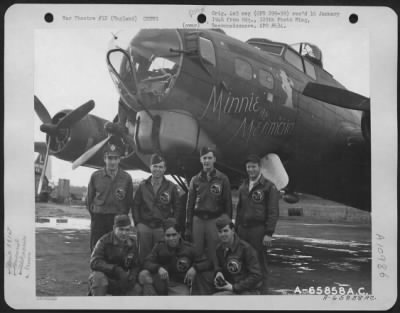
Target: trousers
{"type": "Point", "coordinates": [101, 285]}
{"type": "Point", "coordinates": [254, 236]}
{"type": "Point", "coordinates": [201, 285]}
{"type": "Point", "coordinates": [205, 237]}
{"type": "Point", "coordinates": [147, 238]}
{"type": "Point", "coordinates": [100, 225]}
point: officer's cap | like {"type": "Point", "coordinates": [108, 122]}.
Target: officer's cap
{"type": "Point", "coordinates": [206, 150]}
{"type": "Point", "coordinates": [222, 221]}
{"type": "Point", "coordinates": [122, 220]}
{"type": "Point", "coordinates": [112, 149]}
{"type": "Point", "coordinates": [156, 158]}
{"type": "Point", "coordinates": [253, 158]}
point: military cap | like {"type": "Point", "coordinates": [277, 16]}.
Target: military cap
{"type": "Point", "coordinates": [122, 220]}
{"type": "Point", "coordinates": [222, 221]}
{"type": "Point", "coordinates": [253, 158]}
{"type": "Point", "coordinates": [156, 158]}
{"type": "Point", "coordinates": [113, 149]}
{"type": "Point", "coordinates": [206, 150]}
{"type": "Point", "coordinates": [170, 222]}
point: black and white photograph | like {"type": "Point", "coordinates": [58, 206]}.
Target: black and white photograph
{"type": "Point", "coordinates": [203, 161]}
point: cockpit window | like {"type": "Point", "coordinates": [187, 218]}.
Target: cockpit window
{"type": "Point", "coordinates": [161, 63]}
{"type": "Point", "coordinates": [243, 69]}
{"type": "Point", "coordinates": [266, 45]}
{"type": "Point", "coordinates": [148, 67]}
{"type": "Point", "coordinates": [309, 51]}
{"type": "Point", "coordinates": [310, 70]}
{"type": "Point", "coordinates": [294, 59]}
{"type": "Point", "coordinates": [122, 74]}
{"type": "Point", "coordinates": [270, 48]}
{"type": "Point", "coordinates": [207, 51]}
{"type": "Point", "coordinates": [266, 79]}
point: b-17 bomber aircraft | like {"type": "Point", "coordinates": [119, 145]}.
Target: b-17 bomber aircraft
{"type": "Point", "coordinates": [182, 89]}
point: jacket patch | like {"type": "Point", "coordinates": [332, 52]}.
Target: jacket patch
{"type": "Point", "coordinates": [165, 197]}
{"type": "Point", "coordinates": [183, 264]}
{"type": "Point", "coordinates": [234, 266]}
{"type": "Point", "coordinates": [120, 194]}
{"type": "Point", "coordinates": [216, 189]}
{"type": "Point", "coordinates": [257, 196]}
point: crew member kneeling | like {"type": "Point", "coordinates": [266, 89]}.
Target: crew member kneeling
{"type": "Point", "coordinates": [238, 270]}
{"type": "Point", "coordinates": [174, 266]}
{"type": "Point", "coordinates": [114, 262]}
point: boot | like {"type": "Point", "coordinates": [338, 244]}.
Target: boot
{"type": "Point", "coordinates": [148, 290]}
{"type": "Point", "coordinates": [99, 291]}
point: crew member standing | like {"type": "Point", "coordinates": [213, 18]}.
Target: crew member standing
{"type": "Point", "coordinates": [110, 193]}
{"type": "Point", "coordinates": [257, 212]}
{"type": "Point", "coordinates": [209, 197]}
{"type": "Point", "coordinates": [155, 200]}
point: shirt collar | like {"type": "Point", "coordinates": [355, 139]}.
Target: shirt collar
{"type": "Point", "coordinates": [106, 174]}
{"type": "Point", "coordinates": [235, 243]}
{"type": "Point", "coordinates": [177, 248]}
{"type": "Point", "coordinates": [116, 241]}
{"type": "Point", "coordinates": [256, 180]}
{"type": "Point", "coordinates": [260, 179]}
{"type": "Point", "coordinates": [213, 173]}
{"type": "Point", "coordinates": [148, 180]}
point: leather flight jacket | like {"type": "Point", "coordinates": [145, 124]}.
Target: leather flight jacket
{"type": "Point", "coordinates": [240, 266]}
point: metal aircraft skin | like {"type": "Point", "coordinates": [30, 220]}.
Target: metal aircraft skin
{"type": "Point", "coordinates": [181, 89]}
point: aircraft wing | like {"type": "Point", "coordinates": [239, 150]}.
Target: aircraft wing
{"type": "Point", "coordinates": [337, 96]}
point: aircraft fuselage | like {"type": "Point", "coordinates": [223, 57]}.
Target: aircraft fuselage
{"type": "Point", "coordinates": [183, 89]}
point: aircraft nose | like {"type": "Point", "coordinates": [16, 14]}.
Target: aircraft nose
{"type": "Point", "coordinates": [147, 71]}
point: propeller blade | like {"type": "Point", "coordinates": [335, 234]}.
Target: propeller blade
{"type": "Point", "coordinates": [41, 111]}
{"type": "Point", "coordinates": [44, 168]}
{"type": "Point", "coordinates": [89, 153]}
{"type": "Point", "coordinates": [340, 97]}
{"type": "Point", "coordinates": [75, 115]}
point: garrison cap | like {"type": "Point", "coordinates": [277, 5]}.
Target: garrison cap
{"type": "Point", "coordinates": [168, 223]}
{"type": "Point", "coordinates": [122, 220]}
{"type": "Point", "coordinates": [113, 149]}
{"type": "Point", "coordinates": [253, 158]}
{"type": "Point", "coordinates": [206, 150]}
{"type": "Point", "coordinates": [156, 158]}
{"type": "Point", "coordinates": [222, 221]}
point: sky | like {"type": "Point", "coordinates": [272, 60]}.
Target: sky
{"type": "Point", "coordinates": [70, 69]}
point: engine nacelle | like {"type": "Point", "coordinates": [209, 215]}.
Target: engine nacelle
{"type": "Point", "coordinates": [72, 142]}
{"type": "Point", "coordinates": [176, 132]}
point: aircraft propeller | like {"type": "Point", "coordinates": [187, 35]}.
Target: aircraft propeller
{"type": "Point", "coordinates": [89, 153]}
{"type": "Point", "coordinates": [53, 130]}
{"type": "Point", "coordinates": [340, 97]}
{"type": "Point", "coordinates": [115, 129]}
